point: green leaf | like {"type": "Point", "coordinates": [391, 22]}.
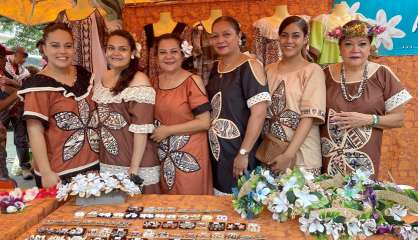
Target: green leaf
{"type": "Point", "coordinates": [391, 220]}
{"type": "Point", "coordinates": [412, 194]}
{"type": "Point", "coordinates": [339, 219]}
{"type": "Point", "coordinates": [291, 197]}
{"type": "Point", "coordinates": [353, 205]}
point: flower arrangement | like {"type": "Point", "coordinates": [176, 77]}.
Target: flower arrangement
{"type": "Point", "coordinates": [297, 194]}
{"type": "Point", "coordinates": [15, 201]}
{"type": "Point", "coordinates": [186, 48]}
{"type": "Point", "coordinates": [360, 29]}
{"type": "Point", "coordinates": [362, 207]}
{"type": "Point", "coordinates": [252, 192]}
{"type": "Point", "coordinates": [94, 184]}
{"type": "Point", "coordinates": [338, 207]}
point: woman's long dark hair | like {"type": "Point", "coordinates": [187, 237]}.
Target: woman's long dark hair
{"type": "Point", "coordinates": [304, 26]}
{"type": "Point", "coordinates": [128, 73]}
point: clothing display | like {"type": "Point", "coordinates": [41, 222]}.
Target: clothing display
{"type": "Point", "coordinates": [348, 150]}
{"type": "Point", "coordinates": [296, 95]}
{"type": "Point", "coordinates": [184, 158]}
{"type": "Point", "coordinates": [70, 119]}
{"type": "Point", "coordinates": [121, 116]}
{"type": "Point", "coordinates": [266, 45]}
{"type": "Point", "coordinates": [203, 54]}
{"type": "Point", "coordinates": [232, 94]}
{"type": "Point", "coordinates": [89, 35]}
{"type": "Point", "coordinates": [148, 60]}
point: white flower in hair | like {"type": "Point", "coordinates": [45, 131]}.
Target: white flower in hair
{"type": "Point", "coordinates": [138, 49]}
{"type": "Point", "coordinates": [186, 48]}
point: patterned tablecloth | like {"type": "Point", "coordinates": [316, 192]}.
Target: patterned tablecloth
{"type": "Point", "coordinates": [13, 225]}
{"type": "Point", "coordinates": [269, 228]}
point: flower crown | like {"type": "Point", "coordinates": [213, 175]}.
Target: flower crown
{"type": "Point", "coordinates": [360, 29]}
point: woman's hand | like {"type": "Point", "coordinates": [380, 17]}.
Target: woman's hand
{"type": "Point", "coordinates": [50, 179]}
{"type": "Point", "coordinates": [160, 133]}
{"type": "Point", "coordinates": [347, 120]}
{"type": "Point", "coordinates": [240, 165]}
{"type": "Point", "coordinates": [132, 170]}
{"type": "Point", "coordinates": [285, 157]}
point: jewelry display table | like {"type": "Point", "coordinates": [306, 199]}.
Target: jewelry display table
{"type": "Point", "coordinates": [219, 205]}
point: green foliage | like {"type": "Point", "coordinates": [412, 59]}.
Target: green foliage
{"type": "Point", "coordinates": [25, 36]}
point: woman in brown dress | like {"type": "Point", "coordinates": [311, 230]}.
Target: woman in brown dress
{"type": "Point", "coordinates": [125, 101]}
{"type": "Point", "coordinates": [61, 117]}
{"type": "Point", "coordinates": [182, 113]}
{"type": "Point", "coordinates": [363, 98]}
{"type": "Point", "coordinates": [297, 88]}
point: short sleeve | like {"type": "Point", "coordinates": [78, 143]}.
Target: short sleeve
{"type": "Point", "coordinates": [394, 93]}
{"type": "Point", "coordinates": [313, 101]}
{"type": "Point", "coordinates": [316, 39]}
{"type": "Point", "coordinates": [36, 106]}
{"type": "Point", "coordinates": [254, 84]}
{"type": "Point", "coordinates": [141, 110]}
{"type": "Point", "coordinates": [198, 101]}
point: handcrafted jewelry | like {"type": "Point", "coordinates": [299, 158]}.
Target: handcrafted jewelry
{"type": "Point", "coordinates": [202, 225]}
{"type": "Point", "coordinates": [183, 217]}
{"type": "Point", "coordinates": [148, 233]}
{"type": "Point", "coordinates": [37, 237]}
{"type": "Point", "coordinates": [146, 216]}
{"type": "Point", "coordinates": [92, 214]}
{"type": "Point", "coordinates": [254, 227]}
{"type": "Point", "coordinates": [376, 120]}
{"type": "Point", "coordinates": [135, 234]}
{"type": "Point", "coordinates": [105, 215]}
{"type": "Point", "coordinates": [236, 226]}
{"type": "Point", "coordinates": [187, 225]}
{"type": "Point", "coordinates": [207, 218]}
{"type": "Point", "coordinates": [77, 231]}
{"type": "Point", "coordinates": [221, 218]}
{"type": "Point", "coordinates": [149, 210]}
{"type": "Point", "coordinates": [195, 217]}
{"type": "Point", "coordinates": [131, 215]}
{"type": "Point", "coordinates": [216, 226]}
{"type": "Point", "coordinates": [162, 235]}
{"type": "Point", "coordinates": [232, 236]}
{"type": "Point", "coordinates": [134, 209]}
{"type": "Point", "coordinates": [218, 236]}
{"type": "Point", "coordinates": [360, 89]}
{"type": "Point", "coordinates": [151, 225]}
{"type": "Point", "coordinates": [170, 225]}
{"type": "Point", "coordinates": [118, 215]}
{"type": "Point", "coordinates": [119, 232]}
{"type": "Point", "coordinates": [79, 214]}
{"type": "Point", "coordinates": [159, 216]}
{"type": "Point", "coordinates": [171, 217]}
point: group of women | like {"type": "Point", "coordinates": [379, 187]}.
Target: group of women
{"type": "Point", "coordinates": [182, 137]}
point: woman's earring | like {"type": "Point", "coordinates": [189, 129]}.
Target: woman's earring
{"type": "Point", "coordinates": [132, 56]}
{"type": "Point", "coordinates": [240, 42]}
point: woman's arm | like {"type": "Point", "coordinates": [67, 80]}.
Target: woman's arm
{"type": "Point", "coordinates": [200, 123]}
{"type": "Point", "coordinates": [254, 127]}
{"type": "Point", "coordinates": [140, 142]}
{"type": "Point", "coordinates": [392, 119]}
{"type": "Point", "coordinates": [39, 151]}
{"type": "Point", "coordinates": [299, 137]}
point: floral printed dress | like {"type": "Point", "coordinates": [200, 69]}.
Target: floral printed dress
{"type": "Point", "coordinates": [121, 116]}
{"type": "Point", "coordinates": [296, 95]}
{"type": "Point", "coordinates": [70, 118]}
{"type": "Point", "coordinates": [184, 158]}
{"type": "Point", "coordinates": [346, 150]}
{"type": "Point", "coordinates": [232, 94]}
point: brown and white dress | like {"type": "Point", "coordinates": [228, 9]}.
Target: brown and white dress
{"type": "Point", "coordinates": [346, 150]}
{"type": "Point", "coordinates": [70, 119]}
{"type": "Point", "coordinates": [296, 95]}
{"type": "Point", "coordinates": [121, 116]}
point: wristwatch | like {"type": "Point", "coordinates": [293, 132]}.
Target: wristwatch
{"type": "Point", "coordinates": [243, 152]}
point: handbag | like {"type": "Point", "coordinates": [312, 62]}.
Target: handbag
{"type": "Point", "coordinates": [270, 148]}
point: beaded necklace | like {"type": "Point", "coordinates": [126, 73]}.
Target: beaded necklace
{"type": "Point", "coordinates": [361, 88]}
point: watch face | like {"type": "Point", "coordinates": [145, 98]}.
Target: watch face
{"type": "Point", "coordinates": [243, 151]}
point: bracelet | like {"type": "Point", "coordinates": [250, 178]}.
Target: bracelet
{"type": "Point", "coordinates": [376, 120]}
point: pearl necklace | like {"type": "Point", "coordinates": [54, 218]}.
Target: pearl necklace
{"type": "Point", "coordinates": [361, 88]}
